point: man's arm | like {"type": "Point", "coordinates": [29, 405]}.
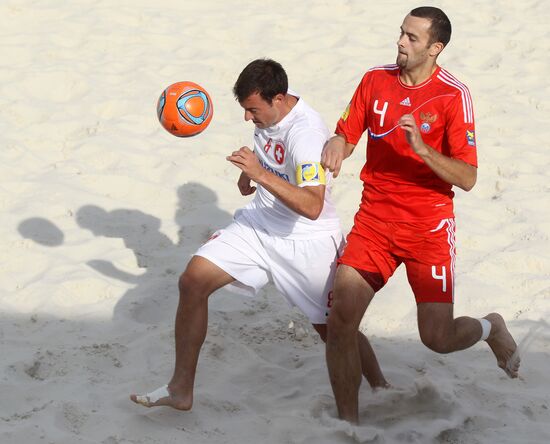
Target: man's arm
{"type": "Point", "coordinates": [306, 201]}
{"type": "Point", "coordinates": [453, 171]}
{"type": "Point", "coordinates": [334, 153]}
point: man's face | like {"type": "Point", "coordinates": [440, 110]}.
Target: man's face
{"type": "Point", "coordinates": [413, 46]}
{"type": "Point", "coordinates": [262, 113]}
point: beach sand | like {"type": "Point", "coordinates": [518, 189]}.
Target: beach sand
{"type": "Point", "coordinates": [102, 208]}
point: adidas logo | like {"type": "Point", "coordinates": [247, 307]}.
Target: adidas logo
{"type": "Point", "coordinates": [405, 102]}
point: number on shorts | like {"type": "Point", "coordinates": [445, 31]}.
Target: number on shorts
{"type": "Point", "coordinates": [330, 299]}
{"type": "Point", "coordinates": [440, 277]}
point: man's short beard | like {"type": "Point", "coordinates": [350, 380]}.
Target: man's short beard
{"type": "Point", "coordinates": [402, 64]}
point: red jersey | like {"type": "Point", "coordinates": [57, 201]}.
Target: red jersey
{"type": "Point", "coordinates": [398, 185]}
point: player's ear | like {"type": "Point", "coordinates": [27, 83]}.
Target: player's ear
{"type": "Point", "coordinates": [278, 98]}
{"type": "Point", "coordinates": [436, 48]}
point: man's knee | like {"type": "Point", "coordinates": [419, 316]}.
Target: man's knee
{"type": "Point", "coordinates": [436, 341]}
{"type": "Point", "coordinates": [341, 321]}
{"type": "Point", "coordinates": [201, 278]}
{"type": "Point", "coordinates": [351, 297]}
{"type": "Point", "coordinates": [436, 326]}
{"type": "Point", "coordinates": [191, 286]}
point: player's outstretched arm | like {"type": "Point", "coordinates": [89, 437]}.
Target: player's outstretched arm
{"type": "Point", "coordinates": [306, 201]}
{"type": "Point", "coordinates": [334, 153]}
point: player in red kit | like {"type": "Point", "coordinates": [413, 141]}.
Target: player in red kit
{"type": "Point", "coordinates": [421, 141]}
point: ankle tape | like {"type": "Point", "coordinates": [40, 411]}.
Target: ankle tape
{"type": "Point", "coordinates": [485, 329]}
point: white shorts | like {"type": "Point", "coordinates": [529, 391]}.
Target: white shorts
{"type": "Point", "coordinates": [302, 270]}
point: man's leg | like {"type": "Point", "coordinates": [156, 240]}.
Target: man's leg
{"type": "Point", "coordinates": [196, 284]}
{"type": "Point", "coordinates": [442, 333]}
{"type": "Point", "coordinates": [369, 363]}
{"type": "Point", "coordinates": [351, 297]}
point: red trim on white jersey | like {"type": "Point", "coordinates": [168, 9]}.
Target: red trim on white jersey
{"type": "Point", "coordinates": [467, 107]}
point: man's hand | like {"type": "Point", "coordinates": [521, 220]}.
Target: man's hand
{"type": "Point", "coordinates": [244, 185]}
{"type": "Point", "coordinates": [334, 153]}
{"type": "Point", "coordinates": [306, 201]}
{"type": "Point", "coordinates": [246, 160]}
{"type": "Point", "coordinates": [412, 133]}
{"type": "Point", "coordinates": [453, 171]}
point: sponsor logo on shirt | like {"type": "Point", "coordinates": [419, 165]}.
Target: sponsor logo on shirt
{"type": "Point", "coordinates": [274, 171]}
{"type": "Point", "coordinates": [310, 172]}
{"type": "Point", "coordinates": [471, 137]}
{"type": "Point", "coordinates": [405, 102]}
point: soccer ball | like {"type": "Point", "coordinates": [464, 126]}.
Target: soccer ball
{"type": "Point", "coordinates": [184, 109]}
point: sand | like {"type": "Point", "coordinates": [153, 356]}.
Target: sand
{"type": "Point", "coordinates": [102, 208]}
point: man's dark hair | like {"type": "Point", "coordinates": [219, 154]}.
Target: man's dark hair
{"type": "Point", "coordinates": [263, 76]}
{"type": "Point", "coordinates": [440, 29]}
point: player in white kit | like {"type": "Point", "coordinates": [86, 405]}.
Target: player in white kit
{"type": "Point", "coordinates": [288, 234]}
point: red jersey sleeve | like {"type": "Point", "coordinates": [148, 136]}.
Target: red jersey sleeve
{"type": "Point", "coordinates": [460, 128]}
{"type": "Point", "coordinates": [353, 122]}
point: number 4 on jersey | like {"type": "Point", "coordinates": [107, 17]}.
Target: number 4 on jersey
{"type": "Point", "coordinates": [381, 112]}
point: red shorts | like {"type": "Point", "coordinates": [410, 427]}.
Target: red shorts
{"type": "Point", "coordinates": [376, 249]}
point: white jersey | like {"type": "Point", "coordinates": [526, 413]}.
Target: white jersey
{"type": "Point", "coordinates": [292, 150]}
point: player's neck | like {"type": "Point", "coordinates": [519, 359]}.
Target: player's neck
{"type": "Point", "coordinates": [289, 102]}
{"type": "Point", "coordinates": [417, 75]}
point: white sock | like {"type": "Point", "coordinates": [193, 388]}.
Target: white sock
{"type": "Point", "coordinates": [485, 329]}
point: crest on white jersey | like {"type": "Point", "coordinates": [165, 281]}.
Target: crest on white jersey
{"type": "Point", "coordinates": [279, 153]}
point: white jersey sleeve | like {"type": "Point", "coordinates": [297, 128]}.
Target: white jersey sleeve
{"type": "Point", "coordinates": [307, 147]}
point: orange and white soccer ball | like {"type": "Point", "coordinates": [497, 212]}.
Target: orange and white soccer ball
{"type": "Point", "coordinates": [185, 109]}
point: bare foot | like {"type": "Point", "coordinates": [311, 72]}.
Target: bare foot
{"type": "Point", "coordinates": [164, 396]}
{"type": "Point", "coordinates": [379, 384]}
{"type": "Point", "coordinates": [503, 345]}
